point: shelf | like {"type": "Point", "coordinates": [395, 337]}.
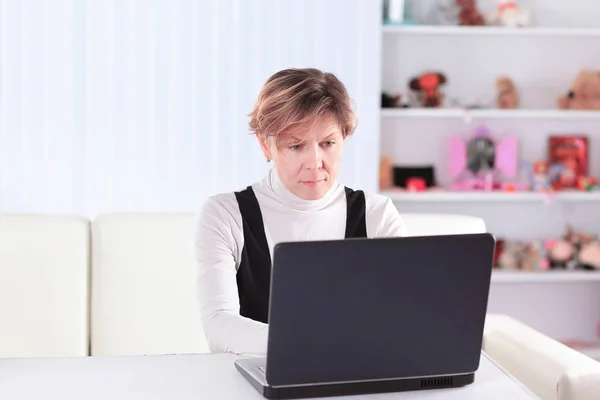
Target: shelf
{"type": "Point", "coordinates": [490, 30]}
{"type": "Point", "coordinates": [499, 276]}
{"type": "Point", "coordinates": [574, 196]}
{"type": "Point", "coordinates": [487, 113]}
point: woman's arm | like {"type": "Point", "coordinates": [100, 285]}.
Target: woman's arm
{"type": "Point", "coordinates": [224, 328]}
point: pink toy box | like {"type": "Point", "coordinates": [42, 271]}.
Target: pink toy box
{"type": "Point", "coordinates": [484, 164]}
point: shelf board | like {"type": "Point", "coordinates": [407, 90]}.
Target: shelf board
{"type": "Point", "coordinates": [488, 113]}
{"type": "Point", "coordinates": [496, 196]}
{"type": "Point", "coordinates": [500, 276]}
{"type": "Point", "coordinates": [489, 30]}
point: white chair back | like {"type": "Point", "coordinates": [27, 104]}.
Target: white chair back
{"type": "Point", "coordinates": [44, 275]}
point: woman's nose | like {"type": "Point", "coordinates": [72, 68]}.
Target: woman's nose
{"type": "Point", "coordinates": [314, 159]}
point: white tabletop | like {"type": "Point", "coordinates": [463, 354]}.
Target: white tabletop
{"type": "Point", "coordinates": [194, 377]}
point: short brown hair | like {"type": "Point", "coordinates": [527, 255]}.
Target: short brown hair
{"type": "Point", "coordinates": [292, 97]}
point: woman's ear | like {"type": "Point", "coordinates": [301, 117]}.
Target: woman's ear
{"type": "Point", "coordinates": [264, 145]}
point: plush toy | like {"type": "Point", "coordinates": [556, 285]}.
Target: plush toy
{"type": "Point", "coordinates": [518, 255]}
{"type": "Point", "coordinates": [428, 88]}
{"type": "Point", "coordinates": [509, 13]}
{"type": "Point", "coordinates": [584, 93]}
{"type": "Point", "coordinates": [511, 256]}
{"type": "Point", "coordinates": [575, 250]}
{"type": "Point", "coordinates": [468, 14]}
{"type": "Point", "coordinates": [589, 255]}
{"type": "Point", "coordinates": [507, 93]}
{"type": "Point", "coordinates": [561, 253]}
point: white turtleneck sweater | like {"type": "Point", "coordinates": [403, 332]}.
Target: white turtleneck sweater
{"type": "Point", "coordinates": [286, 217]}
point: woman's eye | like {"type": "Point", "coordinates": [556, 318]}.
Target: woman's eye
{"type": "Point", "coordinates": [329, 143]}
{"type": "Point", "coordinates": [295, 147]}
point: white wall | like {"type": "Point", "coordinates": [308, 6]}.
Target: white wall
{"type": "Point", "coordinates": [140, 105]}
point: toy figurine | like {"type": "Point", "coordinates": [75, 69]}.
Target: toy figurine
{"type": "Point", "coordinates": [509, 13]}
{"type": "Point", "coordinates": [587, 183]}
{"type": "Point", "coordinates": [428, 88]}
{"type": "Point", "coordinates": [541, 181]}
{"type": "Point", "coordinates": [386, 178]}
{"type": "Point", "coordinates": [568, 176]}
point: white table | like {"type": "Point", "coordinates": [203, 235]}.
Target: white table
{"type": "Point", "coordinates": [194, 377]}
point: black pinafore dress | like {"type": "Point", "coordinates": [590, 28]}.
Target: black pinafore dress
{"type": "Point", "coordinates": [254, 272]}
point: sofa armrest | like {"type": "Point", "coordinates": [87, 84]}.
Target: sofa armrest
{"type": "Point", "coordinates": [550, 369]}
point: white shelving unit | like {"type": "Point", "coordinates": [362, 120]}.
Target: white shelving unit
{"type": "Point", "coordinates": [493, 197]}
{"type": "Point", "coordinates": [460, 113]}
{"type": "Point", "coordinates": [491, 31]}
{"type": "Point", "coordinates": [543, 60]}
{"type": "Point", "coordinates": [500, 276]}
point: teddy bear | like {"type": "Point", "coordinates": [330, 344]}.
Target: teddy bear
{"type": "Point", "coordinates": [427, 88]}
{"type": "Point", "coordinates": [511, 256]}
{"type": "Point", "coordinates": [584, 93]}
{"type": "Point", "coordinates": [455, 12]}
{"type": "Point", "coordinates": [508, 97]}
{"type": "Point", "coordinates": [468, 14]}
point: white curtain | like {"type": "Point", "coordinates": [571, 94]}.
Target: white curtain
{"type": "Point", "coordinates": [141, 105]}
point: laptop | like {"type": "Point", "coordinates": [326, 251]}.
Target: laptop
{"type": "Point", "coordinates": [362, 316]}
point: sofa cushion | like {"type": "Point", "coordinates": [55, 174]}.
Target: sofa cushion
{"type": "Point", "coordinates": [143, 285]}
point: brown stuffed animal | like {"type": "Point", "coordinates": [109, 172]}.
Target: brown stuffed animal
{"type": "Point", "coordinates": [469, 15]}
{"type": "Point", "coordinates": [507, 93]}
{"type": "Point", "coordinates": [584, 93]}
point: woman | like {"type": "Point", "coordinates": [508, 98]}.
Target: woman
{"type": "Point", "coordinates": [301, 119]}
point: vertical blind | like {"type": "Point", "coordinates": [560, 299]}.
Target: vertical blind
{"type": "Point", "coordinates": [141, 105]}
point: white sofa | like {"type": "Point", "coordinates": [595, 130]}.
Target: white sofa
{"type": "Point", "coordinates": [44, 274]}
{"type": "Point", "coordinates": [143, 298]}
{"type": "Point", "coordinates": [121, 284]}
{"type": "Point", "coordinates": [124, 284]}
{"type": "Point", "coordinates": [548, 368]}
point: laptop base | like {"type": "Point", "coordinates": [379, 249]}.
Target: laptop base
{"type": "Point", "coordinates": [249, 368]}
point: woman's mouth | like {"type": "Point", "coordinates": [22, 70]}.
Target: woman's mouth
{"type": "Point", "coordinates": [313, 183]}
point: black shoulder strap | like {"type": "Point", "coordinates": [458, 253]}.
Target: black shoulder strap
{"type": "Point", "coordinates": [356, 224]}
{"type": "Point", "coordinates": [254, 273]}
{"type": "Point", "coordinates": [254, 230]}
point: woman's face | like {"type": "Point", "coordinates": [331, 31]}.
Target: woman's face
{"type": "Point", "coordinates": [307, 160]}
